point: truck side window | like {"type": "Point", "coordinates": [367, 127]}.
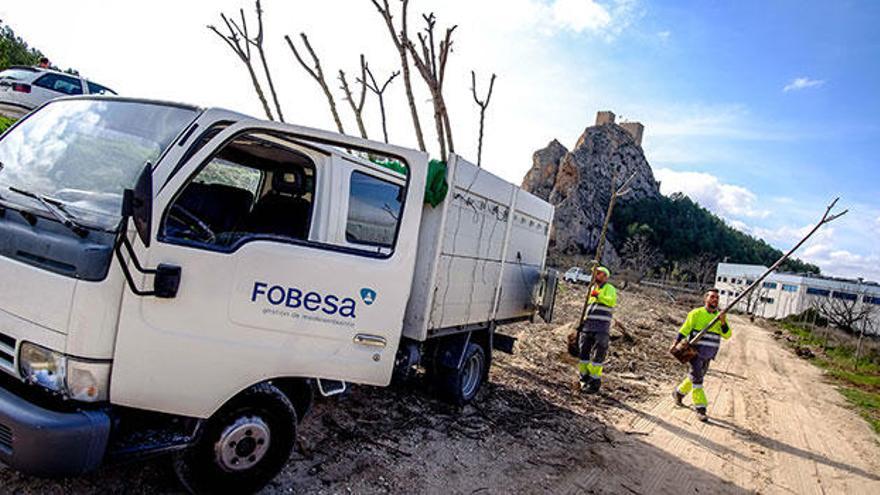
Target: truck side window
{"type": "Point", "coordinates": [254, 187]}
{"type": "Point", "coordinates": [373, 210]}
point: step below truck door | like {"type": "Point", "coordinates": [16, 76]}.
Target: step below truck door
{"type": "Point", "coordinates": [296, 248]}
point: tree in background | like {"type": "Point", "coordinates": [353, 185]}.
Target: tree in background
{"type": "Point", "coordinates": [639, 255]}
{"type": "Point", "coordinates": [846, 313]}
{"type": "Point", "coordinates": [14, 50]}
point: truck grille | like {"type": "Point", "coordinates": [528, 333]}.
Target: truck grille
{"type": "Point", "coordinates": [5, 436]}
{"type": "Point", "coordinates": [7, 353]}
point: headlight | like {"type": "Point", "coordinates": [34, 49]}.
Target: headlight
{"type": "Point", "coordinates": [86, 381]}
{"type": "Point", "coordinates": [42, 366]}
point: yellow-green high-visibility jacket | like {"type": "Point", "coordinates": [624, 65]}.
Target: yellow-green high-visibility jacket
{"type": "Point", "coordinates": [600, 309]}
{"type": "Point", "coordinates": [711, 340]}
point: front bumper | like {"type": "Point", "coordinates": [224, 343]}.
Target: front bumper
{"type": "Point", "coordinates": [43, 442]}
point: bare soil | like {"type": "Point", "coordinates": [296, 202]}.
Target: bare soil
{"type": "Point", "coordinates": [776, 427]}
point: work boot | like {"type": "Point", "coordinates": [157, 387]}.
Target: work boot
{"type": "Point", "coordinates": [701, 414]}
{"type": "Point", "coordinates": [583, 383]}
{"type": "Point", "coordinates": [678, 397]}
{"type": "Point", "coordinates": [593, 386]}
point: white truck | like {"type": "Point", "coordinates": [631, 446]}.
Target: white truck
{"type": "Point", "coordinates": [577, 275]}
{"type": "Point", "coordinates": [181, 280]}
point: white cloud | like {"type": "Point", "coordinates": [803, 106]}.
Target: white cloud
{"type": "Point", "coordinates": [580, 15]}
{"type": "Point", "coordinates": [726, 200]}
{"type": "Point", "coordinates": [800, 83]}
{"type": "Point", "coordinates": [664, 35]}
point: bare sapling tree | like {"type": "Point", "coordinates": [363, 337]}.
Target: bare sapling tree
{"type": "Point", "coordinates": [483, 104]}
{"type": "Point", "coordinates": [242, 48]}
{"type": "Point", "coordinates": [756, 302]}
{"type": "Point", "coordinates": [640, 255]}
{"type": "Point", "coordinates": [431, 63]}
{"type": "Point", "coordinates": [357, 107]}
{"type": "Point", "coordinates": [401, 41]}
{"type": "Point", "coordinates": [379, 91]}
{"type": "Point", "coordinates": [317, 73]}
{"type": "Point", "coordinates": [257, 42]}
{"type": "Point", "coordinates": [701, 270]}
{"type": "Point", "coordinates": [845, 311]}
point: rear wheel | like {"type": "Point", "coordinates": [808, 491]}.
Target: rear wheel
{"type": "Point", "coordinates": [460, 386]}
{"type": "Point", "coordinates": [243, 446]}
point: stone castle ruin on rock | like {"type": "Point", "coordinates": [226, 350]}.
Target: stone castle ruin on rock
{"type": "Point", "coordinates": [578, 182]}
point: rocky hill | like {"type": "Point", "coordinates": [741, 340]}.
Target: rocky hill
{"type": "Point", "coordinates": [578, 183]}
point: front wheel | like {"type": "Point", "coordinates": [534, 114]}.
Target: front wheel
{"type": "Point", "coordinates": [243, 446]}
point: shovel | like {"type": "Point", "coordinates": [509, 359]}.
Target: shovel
{"type": "Point", "coordinates": [685, 351]}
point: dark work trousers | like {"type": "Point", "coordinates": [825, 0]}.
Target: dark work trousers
{"type": "Point", "coordinates": [699, 367]}
{"type": "Point", "coordinates": [593, 346]}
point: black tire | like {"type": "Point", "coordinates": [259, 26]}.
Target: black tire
{"type": "Point", "coordinates": [208, 467]}
{"type": "Point", "coordinates": [460, 386]}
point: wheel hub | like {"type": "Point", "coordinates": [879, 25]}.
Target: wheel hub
{"type": "Point", "coordinates": [473, 368]}
{"type": "Point", "coordinates": [242, 444]}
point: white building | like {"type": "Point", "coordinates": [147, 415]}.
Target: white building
{"type": "Point", "coordinates": [783, 294]}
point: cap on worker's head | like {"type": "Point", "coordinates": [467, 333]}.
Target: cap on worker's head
{"type": "Point", "coordinates": [604, 270]}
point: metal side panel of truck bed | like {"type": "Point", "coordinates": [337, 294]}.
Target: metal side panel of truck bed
{"type": "Point", "coordinates": [481, 254]}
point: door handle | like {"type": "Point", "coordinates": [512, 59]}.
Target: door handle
{"type": "Point", "coordinates": [369, 340]}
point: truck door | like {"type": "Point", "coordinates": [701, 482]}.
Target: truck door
{"type": "Point", "coordinates": [296, 250]}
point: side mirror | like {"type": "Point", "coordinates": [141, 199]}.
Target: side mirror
{"type": "Point", "coordinates": [137, 204]}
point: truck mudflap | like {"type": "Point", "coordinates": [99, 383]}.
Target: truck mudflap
{"type": "Point", "coordinates": [47, 443]}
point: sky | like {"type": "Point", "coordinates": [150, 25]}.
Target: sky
{"type": "Point", "coordinates": [763, 111]}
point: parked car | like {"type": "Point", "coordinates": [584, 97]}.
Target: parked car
{"type": "Point", "coordinates": [24, 88]}
{"type": "Point", "coordinates": [577, 275]}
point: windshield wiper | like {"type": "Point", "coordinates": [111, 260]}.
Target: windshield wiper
{"type": "Point", "coordinates": [56, 208]}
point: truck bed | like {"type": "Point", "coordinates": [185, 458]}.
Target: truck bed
{"type": "Point", "coordinates": [480, 256]}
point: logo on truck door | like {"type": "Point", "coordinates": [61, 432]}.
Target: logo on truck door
{"type": "Point", "coordinates": [312, 301]}
{"type": "Point", "coordinates": [368, 295]}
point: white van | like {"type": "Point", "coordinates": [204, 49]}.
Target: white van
{"type": "Point", "coordinates": [174, 279]}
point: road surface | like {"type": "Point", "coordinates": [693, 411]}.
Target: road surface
{"type": "Point", "coordinates": [775, 427]}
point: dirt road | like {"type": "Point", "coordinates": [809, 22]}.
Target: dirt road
{"type": "Point", "coordinates": [776, 427]}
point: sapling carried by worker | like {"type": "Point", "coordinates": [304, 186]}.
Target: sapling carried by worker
{"type": "Point", "coordinates": [707, 348]}
{"type": "Point", "coordinates": [593, 335]}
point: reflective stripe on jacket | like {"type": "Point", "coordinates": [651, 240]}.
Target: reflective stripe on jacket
{"type": "Point", "coordinates": [710, 342]}
{"type": "Point", "coordinates": [600, 309]}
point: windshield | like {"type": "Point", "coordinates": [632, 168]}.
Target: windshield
{"type": "Point", "coordinates": [84, 153]}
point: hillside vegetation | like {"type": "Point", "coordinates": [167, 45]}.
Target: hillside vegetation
{"type": "Point", "coordinates": [681, 229]}
{"type": "Point", "coordinates": [14, 50]}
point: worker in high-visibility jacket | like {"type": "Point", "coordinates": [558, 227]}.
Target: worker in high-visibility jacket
{"type": "Point", "coordinates": [594, 331]}
{"type": "Point", "coordinates": [707, 349]}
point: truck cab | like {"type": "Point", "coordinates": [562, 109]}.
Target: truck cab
{"type": "Point", "coordinates": [235, 229]}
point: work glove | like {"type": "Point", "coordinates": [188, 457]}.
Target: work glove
{"type": "Point", "coordinates": [595, 293]}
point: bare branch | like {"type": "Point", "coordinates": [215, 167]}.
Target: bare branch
{"type": "Point", "coordinates": [317, 73]}
{"type": "Point", "coordinates": [243, 51]}
{"type": "Point", "coordinates": [432, 73]}
{"type": "Point", "coordinates": [356, 108]}
{"type": "Point", "coordinates": [483, 104]}
{"type": "Point", "coordinates": [401, 42]}
{"type": "Point", "coordinates": [379, 91]}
